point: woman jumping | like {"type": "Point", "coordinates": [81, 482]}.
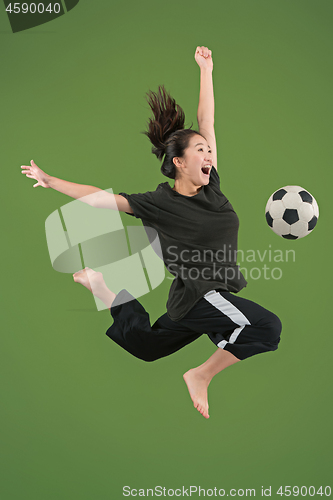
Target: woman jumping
{"type": "Point", "coordinates": [197, 229]}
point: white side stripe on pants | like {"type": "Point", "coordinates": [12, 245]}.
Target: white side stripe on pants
{"type": "Point", "coordinates": [229, 310]}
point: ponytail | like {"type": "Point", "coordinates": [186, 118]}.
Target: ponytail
{"type": "Point", "coordinates": [166, 129]}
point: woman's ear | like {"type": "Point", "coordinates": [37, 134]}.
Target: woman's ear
{"type": "Point", "coordinates": [177, 161]}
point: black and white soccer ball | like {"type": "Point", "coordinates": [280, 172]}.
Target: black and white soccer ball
{"type": "Point", "coordinates": [292, 212]}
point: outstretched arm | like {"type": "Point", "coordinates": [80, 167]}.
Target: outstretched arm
{"type": "Point", "coordinates": [91, 195]}
{"type": "Point", "coordinates": [205, 115]}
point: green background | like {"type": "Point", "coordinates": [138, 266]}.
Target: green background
{"type": "Point", "coordinates": [80, 417]}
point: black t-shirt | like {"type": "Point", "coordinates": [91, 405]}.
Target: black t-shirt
{"type": "Point", "coordinates": [198, 237]}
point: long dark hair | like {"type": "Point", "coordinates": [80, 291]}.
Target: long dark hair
{"type": "Point", "coordinates": [166, 129]}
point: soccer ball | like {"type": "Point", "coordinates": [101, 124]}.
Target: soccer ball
{"type": "Point", "coordinates": [292, 212]}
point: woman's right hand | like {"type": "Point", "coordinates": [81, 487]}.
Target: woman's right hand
{"type": "Point", "coordinates": [203, 57]}
{"type": "Point", "coordinates": [35, 172]}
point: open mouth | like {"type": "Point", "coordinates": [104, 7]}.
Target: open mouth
{"type": "Point", "coordinates": [205, 170]}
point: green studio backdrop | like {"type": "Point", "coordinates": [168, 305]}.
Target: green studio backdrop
{"type": "Point", "coordinates": [81, 418]}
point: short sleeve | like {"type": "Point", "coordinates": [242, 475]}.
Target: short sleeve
{"type": "Point", "coordinates": [214, 179]}
{"type": "Point", "coordinates": [143, 206]}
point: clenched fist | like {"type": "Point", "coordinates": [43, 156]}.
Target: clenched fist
{"type": "Point", "coordinates": [203, 57]}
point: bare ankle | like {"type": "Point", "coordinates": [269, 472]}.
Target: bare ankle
{"type": "Point", "coordinates": [201, 374]}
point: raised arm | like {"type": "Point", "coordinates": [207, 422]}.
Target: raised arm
{"type": "Point", "coordinates": [205, 115]}
{"type": "Point", "coordinates": [91, 195]}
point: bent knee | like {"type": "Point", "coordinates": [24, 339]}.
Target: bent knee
{"type": "Point", "coordinates": [276, 324]}
{"type": "Point", "coordinates": [273, 328]}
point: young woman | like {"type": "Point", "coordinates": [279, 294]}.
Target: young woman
{"type": "Point", "coordinates": [197, 229]}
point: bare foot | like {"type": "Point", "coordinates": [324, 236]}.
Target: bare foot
{"type": "Point", "coordinates": [89, 278]}
{"type": "Point", "coordinates": [197, 387]}
{"type": "Point", "coordinates": [95, 283]}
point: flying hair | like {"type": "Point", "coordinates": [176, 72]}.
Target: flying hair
{"type": "Point", "coordinates": [166, 129]}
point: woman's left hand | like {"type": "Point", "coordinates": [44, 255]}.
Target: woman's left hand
{"type": "Point", "coordinates": [203, 57]}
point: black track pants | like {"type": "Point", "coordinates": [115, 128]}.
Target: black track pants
{"type": "Point", "coordinates": [233, 323]}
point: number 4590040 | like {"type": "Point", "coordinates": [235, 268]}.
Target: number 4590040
{"type": "Point", "coordinates": [33, 8]}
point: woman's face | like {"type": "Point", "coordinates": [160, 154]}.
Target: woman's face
{"type": "Point", "coordinates": [196, 164]}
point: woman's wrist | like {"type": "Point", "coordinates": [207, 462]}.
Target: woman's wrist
{"type": "Point", "coordinates": [206, 70]}
{"type": "Point", "coordinates": [50, 180]}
